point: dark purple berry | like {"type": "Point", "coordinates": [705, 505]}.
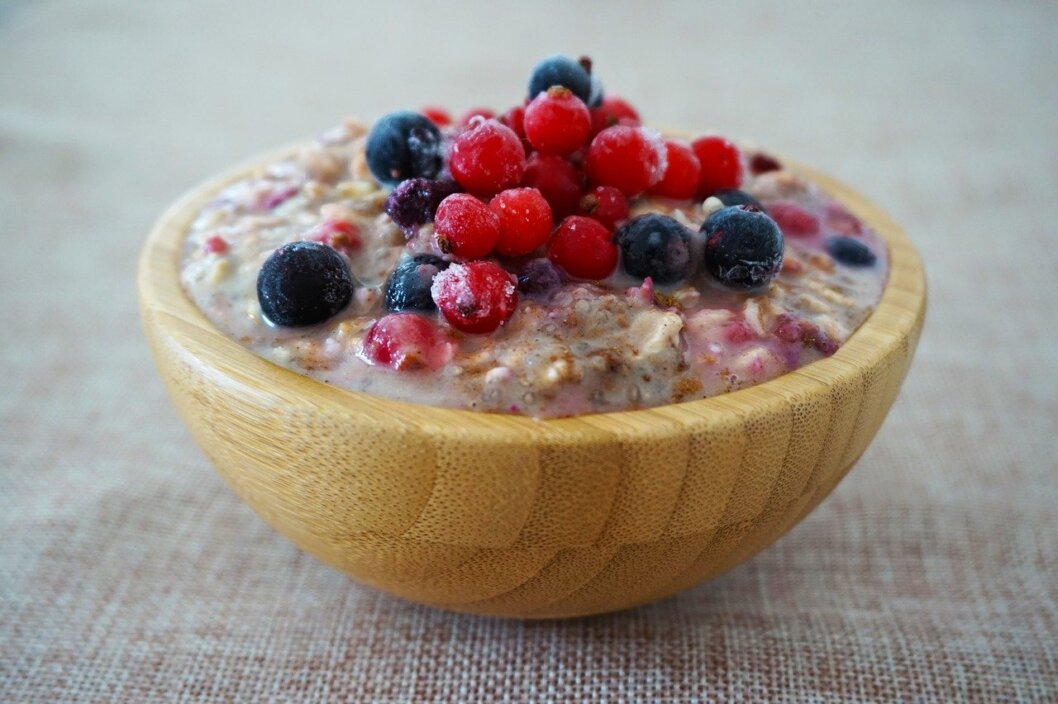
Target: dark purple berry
{"type": "Point", "coordinates": [303, 283]}
{"type": "Point", "coordinates": [656, 246]}
{"type": "Point", "coordinates": [560, 71]}
{"type": "Point", "coordinates": [414, 202]}
{"type": "Point", "coordinates": [408, 287]}
{"type": "Point", "coordinates": [850, 252]}
{"type": "Point", "coordinates": [403, 145]}
{"type": "Point", "coordinates": [733, 196]}
{"type": "Point", "coordinates": [539, 277]}
{"type": "Point", "coordinates": [743, 247]}
{"type": "Point", "coordinates": [424, 150]}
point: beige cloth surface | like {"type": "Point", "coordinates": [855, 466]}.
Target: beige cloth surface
{"type": "Point", "coordinates": [130, 572]}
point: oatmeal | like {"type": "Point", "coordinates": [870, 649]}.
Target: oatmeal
{"type": "Point", "coordinates": [559, 261]}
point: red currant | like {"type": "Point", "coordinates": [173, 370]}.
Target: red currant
{"type": "Point", "coordinates": [613, 111]}
{"type": "Point", "coordinates": [557, 122]}
{"type": "Point", "coordinates": [515, 119]}
{"type": "Point", "coordinates": [215, 244]}
{"type": "Point", "coordinates": [791, 329]}
{"type": "Point", "coordinates": [721, 164]}
{"type": "Point", "coordinates": [487, 158]}
{"type": "Point", "coordinates": [793, 220]}
{"type": "Point", "coordinates": [557, 179]}
{"type": "Point", "coordinates": [682, 172]}
{"type": "Point", "coordinates": [583, 248]}
{"type": "Point", "coordinates": [738, 331]}
{"type": "Point", "coordinates": [841, 220]}
{"type": "Point", "coordinates": [476, 297]}
{"type": "Point", "coordinates": [470, 114]}
{"type": "Point", "coordinates": [466, 227]}
{"type": "Point", "coordinates": [525, 220]}
{"type": "Point", "coordinates": [406, 341]}
{"type": "Point", "coordinates": [339, 234]}
{"type": "Point", "coordinates": [438, 116]}
{"type": "Point", "coordinates": [630, 159]}
{"type": "Point", "coordinates": [761, 163]}
{"type": "Point", "coordinates": [606, 204]}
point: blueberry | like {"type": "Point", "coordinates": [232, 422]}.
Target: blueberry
{"type": "Point", "coordinates": [408, 287]}
{"type": "Point", "coordinates": [303, 283]}
{"type": "Point", "coordinates": [733, 196]}
{"type": "Point", "coordinates": [743, 247]}
{"type": "Point", "coordinates": [424, 147]}
{"type": "Point", "coordinates": [560, 71]}
{"type": "Point", "coordinates": [596, 96]}
{"type": "Point", "coordinates": [539, 277]}
{"type": "Point", "coordinates": [656, 246]}
{"type": "Point", "coordinates": [402, 145]}
{"type": "Point", "coordinates": [850, 252]}
{"type": "Point", "coordinates": [414, 202]}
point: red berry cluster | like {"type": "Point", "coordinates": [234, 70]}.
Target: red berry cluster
{"type": "Point", "coordinates": [551, 173]}
{"type": "Point", "coordinates": [555, 176]}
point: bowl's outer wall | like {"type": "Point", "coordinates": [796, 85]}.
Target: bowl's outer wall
{"type": "Point", "coordinates": [508, 516]}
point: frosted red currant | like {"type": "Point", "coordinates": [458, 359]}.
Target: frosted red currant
{"type": "Point", "coordinates": [613, 111]}
{"type": "Point", "coordinates": [557, 122]}
{"type": "Point", "coordinates": [631, 159]}
{"type": "Point", "coordinates": [583, 248]}
{"type": "Point", "coordinates": [721, 163]}
{"type": "Point", "coordinates": [605, 204]}
{"type": "Point", "coordinates": [466, 227]}
{"type": "Point", "coordinates": [486, 158]}
{"type": "Point", "coordinates": [406, 341]}
{"type": "Point", "coordinates": [558, 181]}
{"type": "Point", "coordinates": [682, 172]}
{"type": "Point", "coordinates": [476, 297]}
{"type": "Point", "coordinates": [525, 220]}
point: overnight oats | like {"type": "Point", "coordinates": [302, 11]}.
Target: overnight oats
{"type": "Point", "coordinates": [555, 260]}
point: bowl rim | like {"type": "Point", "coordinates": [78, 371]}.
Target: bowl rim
{"type": "Point", "coordinates": [165, 307]}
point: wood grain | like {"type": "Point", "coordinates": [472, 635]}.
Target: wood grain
{"type": "Point", "coordinates": [504, 515]}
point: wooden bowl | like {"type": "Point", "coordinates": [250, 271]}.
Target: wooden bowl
{"type": "Point", "coordinates": [504, 515]}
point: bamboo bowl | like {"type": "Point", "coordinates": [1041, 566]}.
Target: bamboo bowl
{"type": "Point", "coordinates": [507, 516]}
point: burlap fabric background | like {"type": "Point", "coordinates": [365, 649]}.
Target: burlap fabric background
{"type": "Point", "coordinates": [128, 570]}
